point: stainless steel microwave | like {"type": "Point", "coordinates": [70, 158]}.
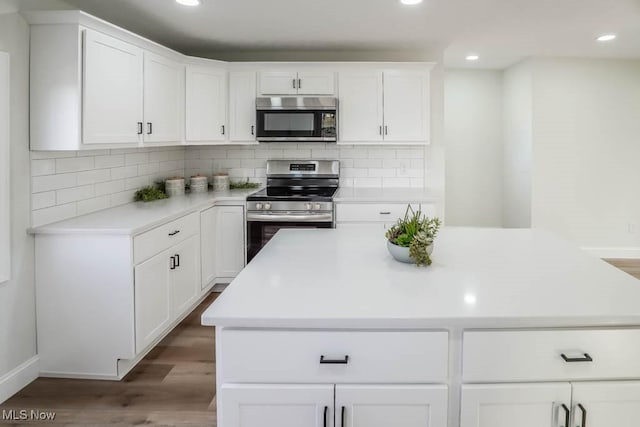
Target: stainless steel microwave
{"type": "Point", "coordinates": [296, 118]}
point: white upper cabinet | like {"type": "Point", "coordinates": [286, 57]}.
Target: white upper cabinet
{"type": "Point", "coordinates": [361, 106]}
{"type": "Point", "coordinates": [384, 106]}
{"type": "Point", "coordinates": [406, 106]}
{"type": "Point", "coordinates": [163, 99]}
{"type": "Point", "coordinates": [112, 90]}
{"type": "Point", "coordinates": [242, 106]}
{"type": "Point", "coordinates": [296, 83]}
{"type": "Point", "coordinates": [206, 104]}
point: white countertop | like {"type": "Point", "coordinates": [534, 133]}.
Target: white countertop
{"type": "Point", "coordinates": [134, 218]}
{"type": "Point", "coordinates": [373, 195]}
{"type": "Point", "coordinates": [480, 278]}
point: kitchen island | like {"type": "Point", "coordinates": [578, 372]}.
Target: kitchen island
{"type": "Point", "coordinates": [324, 328]}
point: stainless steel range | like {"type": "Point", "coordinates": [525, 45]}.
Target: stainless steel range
{"type": "Point", "coordinates": [299, 194]}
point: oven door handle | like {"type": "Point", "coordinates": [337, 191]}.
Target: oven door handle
{"type": "Point", "coordinates": [277, 217]}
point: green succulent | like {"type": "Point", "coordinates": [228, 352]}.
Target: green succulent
{"type": "Point", "coordinates": [415, 231]}
{"type": "Point", "coordinates": [149, 194]}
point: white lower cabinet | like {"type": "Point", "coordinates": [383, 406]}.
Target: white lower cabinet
{"type": "Point", "coordinates": [261, 405]}
{"type": "Point", "coordinates": [229, 238]}
{"type": "Point", "coordinates": [185, 277]}
{"type": "Point", "coordinates": [258, 405]}
{"type": "Point", "coordinates": [606, 404]}
{"type": "Point", "coordinates": [508, 405]}
{"type": "Point", "coordinates": [391, 405]}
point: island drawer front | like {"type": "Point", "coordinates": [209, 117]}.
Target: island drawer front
{"type": "Point", "coordinates": [516, 356]}
{"type": "Point", "coordinates": [377, 212]}
{"type": "Point", "coordinates": [163, 237]}
{"type": "Point", "coordinates": [294, 356]}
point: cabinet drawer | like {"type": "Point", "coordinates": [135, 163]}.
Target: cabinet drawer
{"type": "Point", "coordinates": [376, 212]}
{"type": "Point", "coordinates": [163, 237]}
{"type": "Point", "coordinates": [510, 356]}
{"type": "Point", "coordinates": [295, 356]}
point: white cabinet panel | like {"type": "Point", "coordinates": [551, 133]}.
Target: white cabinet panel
{"type": "Point", "coordinates": [163, 99]}
{"type": "Point", "coordinates": [389, 405]}
{"type": "Point", "coordinates": [249, 405]}
{"type": "Point", "coordinates": [230, 248]}
{"type": "Point", "coordinates": [606, 404]}
{"type": "Point", "coordinates": [152, 306]}
{"type": "Point", "coordinates": [185, 280]}
{"type": "Point", "coordinates": [406, 106]}
{"type": "Point", "coordinates": [278, 83]}
{"type": "Point", "coordinates": [361, 106]}
{"type": "Point", "coordinates": [5, 232]}
{"type": "Point", "coordinates": [507, 405]}
{"type": "Point", "coordinates": [208, 246]}
{"type": "Point", "coordinates": [316, 83]}
{"type": "Point", "coordinates": [112, 90]}
{"type": "Point", "coordinates": [206, 104]}
{"type": "Point", "coordinates": [242, 106]}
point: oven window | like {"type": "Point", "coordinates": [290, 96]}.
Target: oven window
{"type": "Point", "coordinates": [259, 233]}
{"type": "Point", "coordinates": [294, 122]}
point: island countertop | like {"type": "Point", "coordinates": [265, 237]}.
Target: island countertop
{"type": "Point", "coordinates": [480, 278]}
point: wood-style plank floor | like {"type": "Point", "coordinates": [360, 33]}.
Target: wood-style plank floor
{"type": "Point", "coordinates": [172, 386]}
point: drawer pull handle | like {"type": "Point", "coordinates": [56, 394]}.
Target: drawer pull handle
{"type": "Point", "coordinates": [385, 213]}
{"type": "Point", "coordinates": [177, 257]}
{"type": "Point", "coordinates": [172, 261]}
{"type": "Point", "coordinates": [324, 416]}
{"type": "Point", "coordinates": [567, 414]}
{"type": "Point", "coordinates": [586, 358]}
{"type": "Point", "coordinates": [174, 233]}
{"type": "Point", "coordinates": [584, 415]}
{"type": "Point", "coordinates": [342, 417]}
{"type": "Point", "coordinates": [334, 361]}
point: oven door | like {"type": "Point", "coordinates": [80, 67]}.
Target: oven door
{"type": "Point", "coordinates": [260, 232]}
{"type": "Point", "coordinates": [296, 125]}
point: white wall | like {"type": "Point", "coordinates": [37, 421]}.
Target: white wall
{"type": "Point", "coordinates": [587, 151]}
{"type": "Point", "coordinates": [17, 300]}
{"type": "Point", "coordinates": [518, 140]}
{"type": "Point", "coordinates": [473, 139]}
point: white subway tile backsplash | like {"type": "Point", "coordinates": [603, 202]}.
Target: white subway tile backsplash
{"type": "Point", "coordinates": [136, 158]}
{"type": "Point", "coordinates": [240, 154]}
{"type": "Point", "coordinates": [74, 194]}
{"type": "Point", "coordinates": [382, 153]}
{"type": "Point", "coordinates": [396, 182]}
{"type": "Point", "coordinates": [94, 176]}
{"type": "Point", "coordinates": [43, 167]}
{"type": "Point", "coordinates": [353, 172]}
{"type": "Point", "coordinates": [36, 155]}
{"type": "Point", "coordinates": [110, 187]}
{"type": "Point", "coordinates": [367, 163]}
{"type": "Point", "coordinates": [275, 153]}
{"type": "Point", "coordinates": [148, 168]}
{"type": "Point", "coordinates": [136, 183]}
{"type": "Point", "coordinates": [87, 153]}
{"type": "Point", "coordinates": [121, 198]}
{"type": "Point", "coordinates": [53, 214]}
{"type": "Point", "coordinates": [367, 182]}
{"type": "Point", "coordinates": [93, 205]}
{"type": "Point", "coordinates": [43, 200]}
{"type": "Point", "coordinates": [380, 172]}
{"type": "Point", "coordinates": [53, 182]}
{"type": "Point", "coordinates": [109, 161]}
{"type": "Point", "coordinates": [74, 164]}
{"type": "Point", "coordinates": [124, 172]}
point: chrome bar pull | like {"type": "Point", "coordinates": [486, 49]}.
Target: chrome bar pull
{"type": "Point", "coordinates": [567, 359]}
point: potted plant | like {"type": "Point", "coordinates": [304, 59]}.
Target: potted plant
{"type": "Point", "coordinates": [411, 238]}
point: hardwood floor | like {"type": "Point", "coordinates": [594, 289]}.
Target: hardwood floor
{"type": "Point", "coordinates": [174, 385]}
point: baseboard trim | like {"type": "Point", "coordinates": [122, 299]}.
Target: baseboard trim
{"type": "Point", "coordinates": [614, 253]}
{"type": "Point", "coordinates": [18, 378]}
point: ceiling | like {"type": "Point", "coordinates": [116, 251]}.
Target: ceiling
{"type": "Point", "coordinates": [502, 32]}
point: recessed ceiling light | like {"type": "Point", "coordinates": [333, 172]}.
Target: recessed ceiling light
{"type": "Point", "coordinates": [410, 2]}
{"type": "Point", "coordinates": [472, 57]}
{"type": "Point", "coordinates": [606, 37]}
{"type": "Point", "coordinates": [189, 2]}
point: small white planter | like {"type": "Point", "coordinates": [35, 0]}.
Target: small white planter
{"type": "Point", "coordinates": [402, 254]}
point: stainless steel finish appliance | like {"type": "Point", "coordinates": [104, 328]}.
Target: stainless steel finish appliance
{"type": "Point", "coordinates": [299, 194]}
{"type": "Point", "coordinates": [296, 118]}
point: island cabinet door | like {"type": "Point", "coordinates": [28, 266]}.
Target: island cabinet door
{"type": "Point", "coordinates": [606, 404]}
{"type": "Point", "coordinates": [522, 405]}
{"type": "Point", "coordinates": [390, 405]}
{"type": "Point", "coordinates": [266, 405]}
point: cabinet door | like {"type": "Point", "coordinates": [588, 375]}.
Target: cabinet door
{"type": "Point", "coordinates": [508, 405]}
{"type": "Point", "coordinates": [230, 249]}
{"type": "Point", "coordinates": [152, 310]}
{"type": "Point", "coordinates": [249, 405]}
{"type": "Point", "coordinates": [316, 83]}
{"type": "Point", "coordinates": [606, 404]}
{"type": "Point", "coordinates": [242, 106]}
{"type": "Point", "coordinates": [163, 99]}
{"type": "Point", "coordinates": [112, 90]}
{"type": "Point", "coordinates": [206, 108]}
{"type": "Point", "coordinates": [388, 405]}
{"type": "Point", "coordinates": [208, 246]}
{"type": "Point", "coordinates": [361, 107]}
{"type": "Point", "coordinates": [278, 83]}
{"type": "Point", "coordinates": [185, 280]}
{"type": "Point", "coordinates": [406, 106]}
